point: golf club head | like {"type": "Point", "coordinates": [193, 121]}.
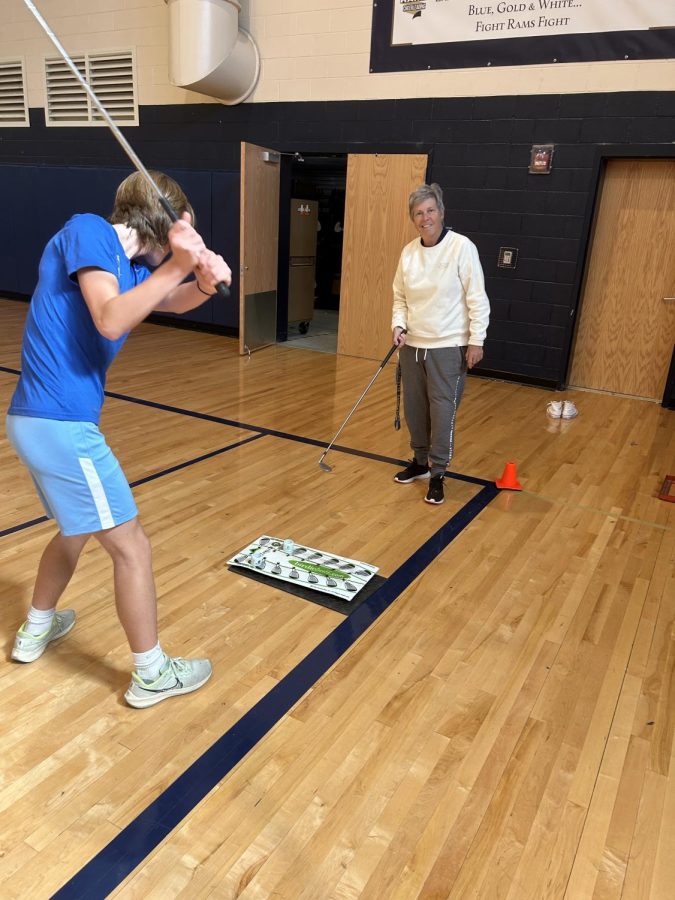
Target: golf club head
{"type": "Point", "coordinates": [324, 466]}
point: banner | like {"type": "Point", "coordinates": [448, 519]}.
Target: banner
{"type": "Point", "coordinates": [430, 34]}
{"type": "Point", "coordinates": [435, 21]}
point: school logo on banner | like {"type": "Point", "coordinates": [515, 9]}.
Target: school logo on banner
{"type": "Point", "coordinates": [415, 9]}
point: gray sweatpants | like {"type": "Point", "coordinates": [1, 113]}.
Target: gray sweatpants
{"type": "Point", "coordinates": [433, 383]}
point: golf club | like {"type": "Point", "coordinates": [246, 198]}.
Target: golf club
{"type": "Point", "coordinates": [323, 465]}
{"type": "Point", "coordinates": [221, 287]}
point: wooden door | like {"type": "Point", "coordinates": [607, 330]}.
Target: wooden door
{"type": "Point", "coordinates": [259, 247]}
{"type": "Point", "coordinates": [626, 330]}
{"type": "Point", "coordinates": [377, 226]}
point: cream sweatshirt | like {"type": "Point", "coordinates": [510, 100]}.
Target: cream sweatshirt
{"type": "Point", "coordinates": [439, 294]}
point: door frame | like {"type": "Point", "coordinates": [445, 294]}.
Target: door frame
{"type": "Point", "coordinates": [343, 149]}
{"type": "Point", "coordinates": [285, 194]}
{"type": "Point", "coordinates": [260, 305]}
{"type": "Point", "coordinates": [603, 154]}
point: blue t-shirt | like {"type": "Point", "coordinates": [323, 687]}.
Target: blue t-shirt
{"type": "Point", "coordinates": [64, 358]}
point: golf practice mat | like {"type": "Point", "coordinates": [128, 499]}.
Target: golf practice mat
{"type": "Point", "coordinates": [301, 566]}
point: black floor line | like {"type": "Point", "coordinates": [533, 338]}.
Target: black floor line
{"type": "Point", "coordinates": [118, 859]}
{"type": "Point", "coordinates": [289, 436]}
{"type": "Point", "coordinates": [234, 423]}
{"type": "Point", "coordinates": [260, 432]}
{"type": "Point", "coordinates": [108, 868]}
{"type": "Point", "coordinates": [145, 479]}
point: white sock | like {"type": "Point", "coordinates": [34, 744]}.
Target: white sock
{"type": "Point", "coordinates": [148, 663]}
{"type": "Point", "coordinates": [39, 620]}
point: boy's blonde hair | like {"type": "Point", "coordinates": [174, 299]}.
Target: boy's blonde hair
{"type": "Point", "coordinates": [137, 205]}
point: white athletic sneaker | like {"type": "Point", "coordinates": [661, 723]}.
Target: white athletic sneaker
{"type": "Point", "coordinates": [177, 676]}
{"type": "Point", "coordinates": [569, 410]}
{"type": "Point", "coordinates": [29, 647]}
{"type": "Point", "coordinates": [555, 409]}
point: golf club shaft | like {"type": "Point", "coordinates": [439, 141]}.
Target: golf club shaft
{"type": "Point", "coordinates": [221, 287]}
{"type": "Point", "coordinates": [370, 384]}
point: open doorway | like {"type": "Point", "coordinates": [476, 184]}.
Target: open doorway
{"type": "Point", "coordinates": [311, 227]}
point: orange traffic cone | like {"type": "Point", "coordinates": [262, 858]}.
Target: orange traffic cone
{"type": "Point", "coordinates": [508, 481]}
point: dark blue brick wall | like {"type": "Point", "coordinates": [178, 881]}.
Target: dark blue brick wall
{"type": "Point", "coordinates": [479, 150]}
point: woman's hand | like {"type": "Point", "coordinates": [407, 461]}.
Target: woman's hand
{"type": "Point", "coordinates": [398, 336]}
{"type": "Point", "coordinates": [473, 355]}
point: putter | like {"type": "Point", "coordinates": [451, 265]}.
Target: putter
{"type": "Point", "coordinates": [221, 287]}
{"type": "Point", "coordinates": [324, 465]}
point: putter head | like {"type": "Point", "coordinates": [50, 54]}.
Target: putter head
{"type": "Point", "coordinates": [323, 465]}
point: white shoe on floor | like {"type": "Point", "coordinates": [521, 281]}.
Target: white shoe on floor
{"type": "Point", "coordinates": [555, 409]}
{"type": "Point", "coordinates": [569, 410]}
{"type": "Point", "coordinates": [29, 647]}
{"type": "Point", "coordinates": [177, 676]}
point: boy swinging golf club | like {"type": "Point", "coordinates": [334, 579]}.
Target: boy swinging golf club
{"type": "Point", "coordinates": [93, 288]}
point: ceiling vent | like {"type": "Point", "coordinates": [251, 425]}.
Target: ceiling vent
{"type": "Point", "coordinates": [111, 76]}
{"type": "Point", "coordinates": [13, 102]}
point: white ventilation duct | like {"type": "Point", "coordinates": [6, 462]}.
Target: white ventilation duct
{"type": "Point", "coordinates": [209, 52]}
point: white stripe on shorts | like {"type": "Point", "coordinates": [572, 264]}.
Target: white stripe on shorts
{"type": "Point", "coordinates": [97, 492]}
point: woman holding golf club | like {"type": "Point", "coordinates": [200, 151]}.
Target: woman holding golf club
{"type": "Point", "coordinates": [440, 301]}
{"type": "Point", "coordinates": [94, 286]}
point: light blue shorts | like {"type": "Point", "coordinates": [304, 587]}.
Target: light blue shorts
{"type": "Point", "coordinates": [79, 480]}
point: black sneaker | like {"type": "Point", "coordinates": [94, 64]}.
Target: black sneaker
{"type": "Point", "coordinates": [414, 472]}
{"type": "Point", "coordinates": [435, 492]}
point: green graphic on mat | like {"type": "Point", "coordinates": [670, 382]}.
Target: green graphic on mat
{"type": "Point", "coordinates": [319, 570]}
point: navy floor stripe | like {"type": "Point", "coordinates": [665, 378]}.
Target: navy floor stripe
{"type": "Point", "coordinates": [22, 526]}
{"type": "Point", "coordinates": [105, 871]}
{"type": "Point", "coordinates": [288, 436]}
{"type": "Point", "coordinates": [169, 471]}
{"type": "Point", "coordinates": [197, 459]}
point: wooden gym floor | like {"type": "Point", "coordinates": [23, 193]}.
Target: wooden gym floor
{"type": "Point", "coordinates": [499, 726]}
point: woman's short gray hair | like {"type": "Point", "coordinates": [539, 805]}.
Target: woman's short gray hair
{"type": "Point", "coordinates": [426, 192]}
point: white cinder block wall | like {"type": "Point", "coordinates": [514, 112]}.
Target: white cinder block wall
{"type": "Point", "coordinates": [310, 50]}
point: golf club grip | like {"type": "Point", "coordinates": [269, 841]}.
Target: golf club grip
{"type": "Point", "coordinates": [392, 350]}
{"type": "Point", "coordinates": [388, 356]}
{"type": "Point", "coordinates": [223, 290]}
{"type": "Point", "coordinates": [167, 207]}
